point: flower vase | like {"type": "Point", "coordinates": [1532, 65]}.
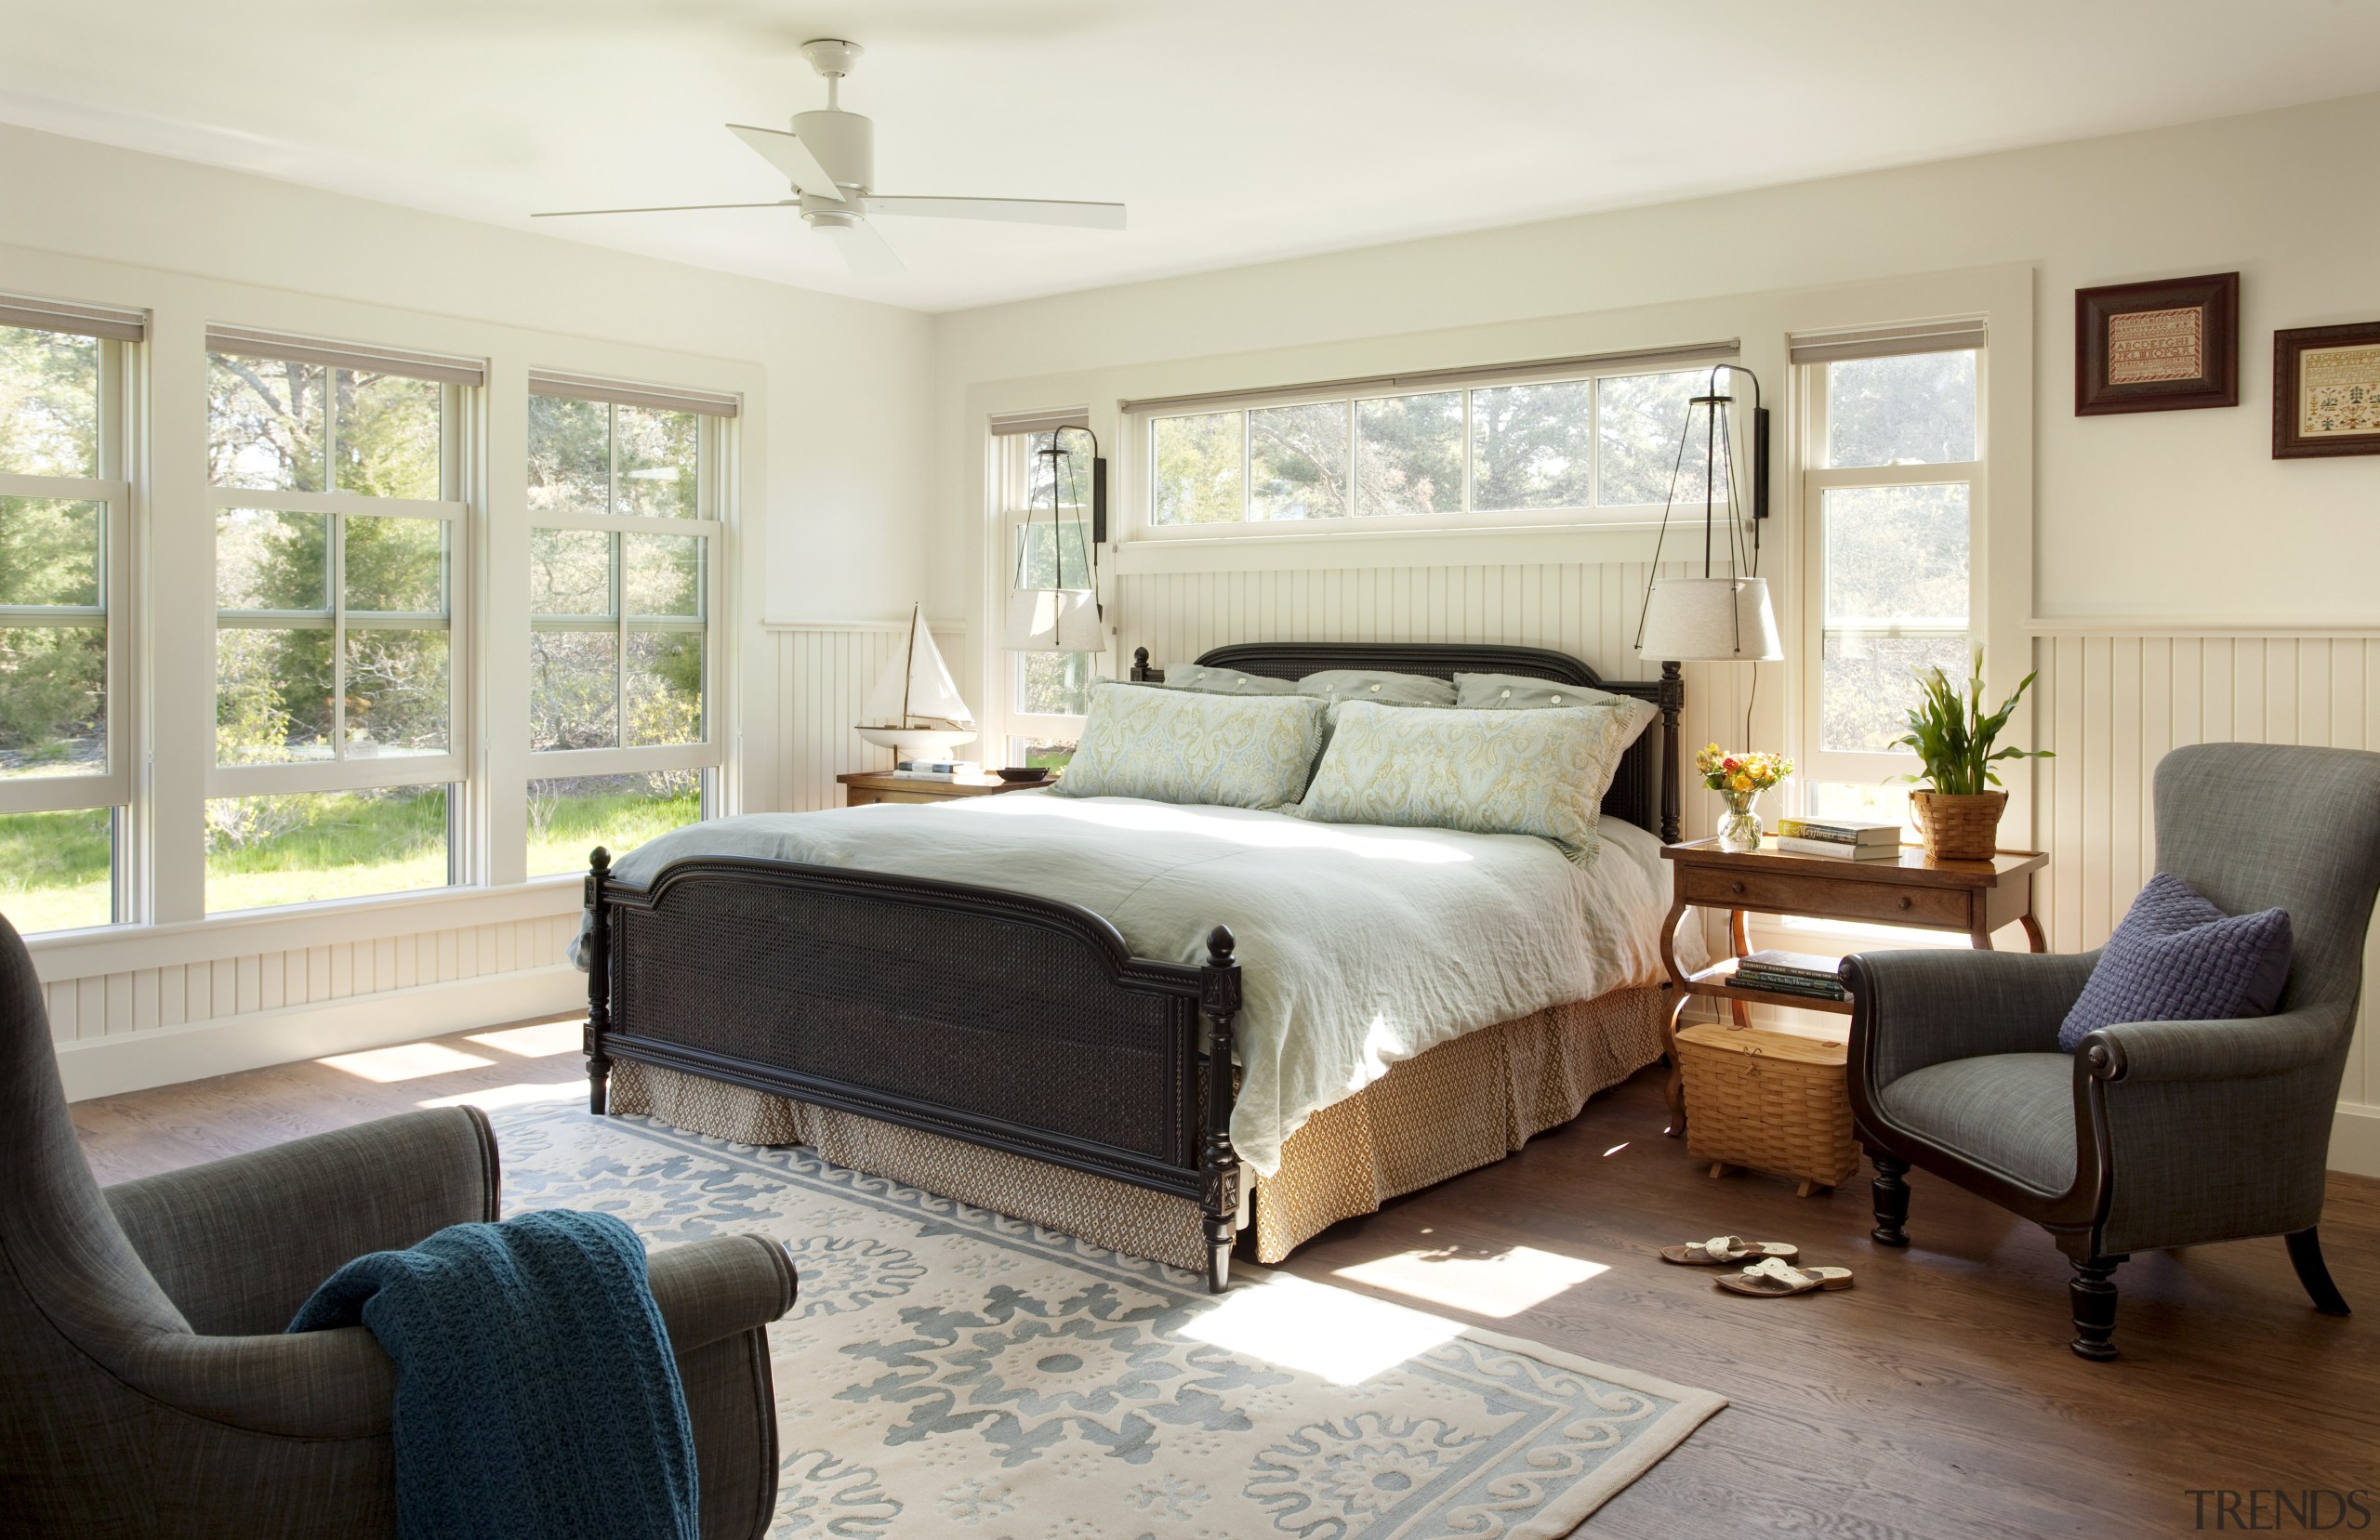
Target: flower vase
{"type": "Point", "coordinates": [1739, 825]}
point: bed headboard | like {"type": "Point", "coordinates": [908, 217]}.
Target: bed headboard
{"type": "Point", "coordinates": [1645, 791]}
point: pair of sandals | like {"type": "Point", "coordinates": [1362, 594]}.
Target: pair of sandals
{"type": "Point", "coordinates": [1770, 1270]}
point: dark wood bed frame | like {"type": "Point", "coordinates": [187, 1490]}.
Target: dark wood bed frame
{"type": "Point", "coordinates": [1018, 1024]}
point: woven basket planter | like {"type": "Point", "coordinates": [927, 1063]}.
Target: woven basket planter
{"type": "Point", "coordinates": [1771, 1100]}
{"type": "Point", "coordinates": [1959, 828]}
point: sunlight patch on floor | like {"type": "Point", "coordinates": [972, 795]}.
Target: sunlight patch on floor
{"type": "Point", "coordinates": [404, 1061]}
{"type": "Point", "coordinates": [521, 1093]}
{"type": "Point", "coordinates": [1344, 1338]}
{"type": "Point", "coordinates": [539, 1040]}
{"type": "Point", "coordinates": [1487, 1283]}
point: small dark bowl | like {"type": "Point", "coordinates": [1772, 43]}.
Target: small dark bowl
{"type": "Point", "coordinates": [1023, 774]}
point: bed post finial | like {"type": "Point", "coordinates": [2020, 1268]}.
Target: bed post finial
{"type": "Point", "coordinates": [599, 978]}
{"type": "Point", "coordinates": [1140, 664]}
{"type": "Point", "coordinates": [1218, 1163]}
{"type": "Point", "coordinates": [1671, 700]}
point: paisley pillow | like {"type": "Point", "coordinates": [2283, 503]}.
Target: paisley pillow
{"type": "Point", "coordinates": [1523, 772]}
{"type": "Point", "coordinates": [1231, 751]}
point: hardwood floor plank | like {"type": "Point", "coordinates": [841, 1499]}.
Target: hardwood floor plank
{"type": "Point", "coordinates": [1934, 1400]}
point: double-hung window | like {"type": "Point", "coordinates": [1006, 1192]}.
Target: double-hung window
{"type": "Point", "coordinates": [626, 487]}
{"type": "Point", "coordinates": [1546, 443]}
{"type": "Point", "coordinates": [1043, 541]}
{"type": "Point", "coordinates": [336, 475]}
{"type": "Point", "coordinates": [65, 778]}
{"type": "Point", "coordinates": [1893, 493]}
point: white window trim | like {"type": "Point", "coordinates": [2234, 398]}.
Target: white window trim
{"type": "Point", "coordinates": [1135, 458]}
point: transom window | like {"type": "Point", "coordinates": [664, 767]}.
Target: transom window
{"type": "Point", "coordinates": [1893, 493]}
{"type": "Point", "coordinates": [1526, 449]}
{"type": "Point", "coordinates": [623, 500]}
{"type": "Point", "coordinates": [65, 783]}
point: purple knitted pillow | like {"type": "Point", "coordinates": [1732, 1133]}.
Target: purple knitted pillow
{"type": "Point", "coordinates": [2176, 957]}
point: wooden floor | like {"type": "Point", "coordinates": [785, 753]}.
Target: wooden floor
{"type": "Point", "coordinates": [1936, 1399]}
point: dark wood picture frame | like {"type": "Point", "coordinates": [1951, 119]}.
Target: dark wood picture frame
{"type": "Point", "coordinates": [2217, 383]}
{"type": "Point", "coordinates": [2290, 439]}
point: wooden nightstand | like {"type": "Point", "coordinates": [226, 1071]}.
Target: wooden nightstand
{"type": "Point", "coordinates": [860, 787]}
{"type": "Point", "coordinates": [1976, 896]}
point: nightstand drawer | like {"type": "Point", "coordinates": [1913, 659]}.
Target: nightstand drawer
{"type": "Point", "coordinates": [1844, 897]}
{"type": "Point", "coordinates": [854, 796]}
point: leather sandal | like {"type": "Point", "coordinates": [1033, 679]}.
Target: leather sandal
{"type": "Point", "coordinates": [1728, 1250]}
{"type": "Point", "coordinates": [1773, 1279]}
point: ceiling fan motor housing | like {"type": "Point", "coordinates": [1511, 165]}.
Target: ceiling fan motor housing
{"type": "Point", "coordinates": [844, 144]}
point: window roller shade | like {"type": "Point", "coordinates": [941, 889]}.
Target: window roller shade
{"type": "Point", "coordinates": [443, 368]}
{"type": "Point", "coordinates": [665, 398]}
{"type": "Point", "coordinates": [60, 315]}
{"type": "Point", "coordinates": [1008, 423]}
{"type": "Point", "coordinates": [1682, 355]}
{"type": "Point", "coordinates": [1925, 336]}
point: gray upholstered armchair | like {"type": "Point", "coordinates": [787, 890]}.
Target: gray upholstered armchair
{"type": "Point", "coordinates": [2153, 1133]}
{"type": "Point", "coordinates": [147, 1386]}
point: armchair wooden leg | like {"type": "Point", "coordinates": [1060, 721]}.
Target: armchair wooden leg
{"type": "Point", "coordinates": [2305, 1256]}
{"type": "Point", "coordinates": [2093, 1290]}
{"type": "Point", "coordinates": [1891, 1191]}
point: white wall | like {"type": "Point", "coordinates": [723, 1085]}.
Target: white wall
{"type": "Point", "coordinates": [2172, 580]}
{"type": "Point", "coordinates": [828, 525]}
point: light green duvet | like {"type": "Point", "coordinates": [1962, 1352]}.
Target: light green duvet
{"type": "Point", "coordinates": [1360, 945]}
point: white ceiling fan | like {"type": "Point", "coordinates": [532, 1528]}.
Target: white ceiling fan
{"type": "Point", "coordinates": [830, 158]}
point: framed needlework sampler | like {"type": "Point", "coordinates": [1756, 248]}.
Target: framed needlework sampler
{"type": "Point", "coordinates": [2156, 346]}
{"type": "Point", "coordinates": [2326, 391]}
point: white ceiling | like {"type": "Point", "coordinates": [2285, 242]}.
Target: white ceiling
{"type": "Point", "coordinates": [1236, 131]}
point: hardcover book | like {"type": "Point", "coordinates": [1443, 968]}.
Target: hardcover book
{"type": "Point", "coordinates": [1842, 831]}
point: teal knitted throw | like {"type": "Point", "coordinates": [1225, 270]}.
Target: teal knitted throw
{"type": "Point", "coordinates": [537, 1395]}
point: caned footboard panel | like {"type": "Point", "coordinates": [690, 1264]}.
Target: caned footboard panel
{"type": "Point", "coordinates": [1014, 1021]}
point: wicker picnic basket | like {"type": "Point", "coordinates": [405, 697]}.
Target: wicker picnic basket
{"type": "Point", "coordinates": [1772, 1100]}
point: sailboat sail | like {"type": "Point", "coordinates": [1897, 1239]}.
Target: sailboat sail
{"type": "Point", "coordinates": [915, 690]}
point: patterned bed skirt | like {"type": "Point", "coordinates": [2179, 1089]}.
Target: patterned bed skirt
{"type": "Point", "coordinates": [1460, 1106]}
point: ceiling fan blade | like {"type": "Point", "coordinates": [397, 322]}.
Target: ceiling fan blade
{"type": "Point", "coordinates": [664, 208]}
{"type": "Point", "coordinates": [789, 154]}
{"type": "Point", "coordinates": [1020, 211]}
{"type": "Point", "coordinates": [865, 250]}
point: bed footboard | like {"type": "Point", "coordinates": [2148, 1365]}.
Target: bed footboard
{"type": "Point", "coordinates": [1016, 1022]}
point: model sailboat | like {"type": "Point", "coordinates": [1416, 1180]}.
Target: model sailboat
{"type": "Point", "coordinates": [915, 710]}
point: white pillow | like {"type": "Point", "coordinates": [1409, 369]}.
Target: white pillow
{"type": "Point", "coordinates": [1230, 751]}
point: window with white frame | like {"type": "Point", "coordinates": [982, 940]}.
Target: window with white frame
{"type": "Point", "coordinates": [336, 473]}
{"type": "Point", "coordinates": [1538, 445]}
{"type": "Point", "coordinates": [1042, 541]}
{"type": "Point", "coordinates": [625, 488]}
{"type": "Point", "coordinates": [1894, 488]}
{"type": "Point", "coordinates": [65, 781]}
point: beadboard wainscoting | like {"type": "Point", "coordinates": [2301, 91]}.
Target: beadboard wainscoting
{"type": "Point", "coordinates": [198, 1001]}
{"type": "Point", "coordinates": [2112, 701]}
{"type": "Point", "coordinates": [824, 670]}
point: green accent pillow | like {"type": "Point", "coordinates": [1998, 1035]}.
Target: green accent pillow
{"type": "Point", "coordinates": [1231, 751]}
{"type": "Point", "coordinates": [1522, 772]}
{"type": "Point", "coordinates": [1371, 684]}
{"type": "Point", "coordinates": [1520, 693]}
{"type": "Point", "coordinates": [1223, 681]}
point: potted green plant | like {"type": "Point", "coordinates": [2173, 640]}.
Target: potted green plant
{"type": "Point", "coordinates": [1957, 812]}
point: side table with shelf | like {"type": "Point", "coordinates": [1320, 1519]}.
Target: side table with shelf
{"type": "Point", "coordinates": [1976, 897]}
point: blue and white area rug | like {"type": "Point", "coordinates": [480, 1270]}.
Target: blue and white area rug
{"type": "Point", "coordinates": [950, 1371]}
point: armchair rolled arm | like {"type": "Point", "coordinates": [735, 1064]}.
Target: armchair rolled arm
{"type": "Point", "coordinates": [2246, 1048]}
{"type": "Point", "coordinates": [334, 1383]}
{"type": "Point", "coordinates": [238, 1243]}
{"type": "Point", "coordinates": [1919, 1008]}
{"type": "Point", "coordinates": [717, 1288]}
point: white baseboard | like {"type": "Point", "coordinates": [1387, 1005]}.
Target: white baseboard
{"type": "Point", "coordinates": [136, 1060]}
{"type": "Point", "coordinates": [2355, 1139]}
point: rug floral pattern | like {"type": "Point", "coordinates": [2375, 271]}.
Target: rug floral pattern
{"type": "Point", "coordinates": [950, 1371]}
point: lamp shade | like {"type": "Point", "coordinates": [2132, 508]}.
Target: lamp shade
{"type": "Point", "coordinates": [1709, 620]}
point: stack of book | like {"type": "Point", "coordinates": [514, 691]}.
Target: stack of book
{"type": "Point", "coordinates": [1846, 838]}
{"type": "Point", "coordinates": [1790, 973]}
{"type": "Point", "coordinates": [936, 770]}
